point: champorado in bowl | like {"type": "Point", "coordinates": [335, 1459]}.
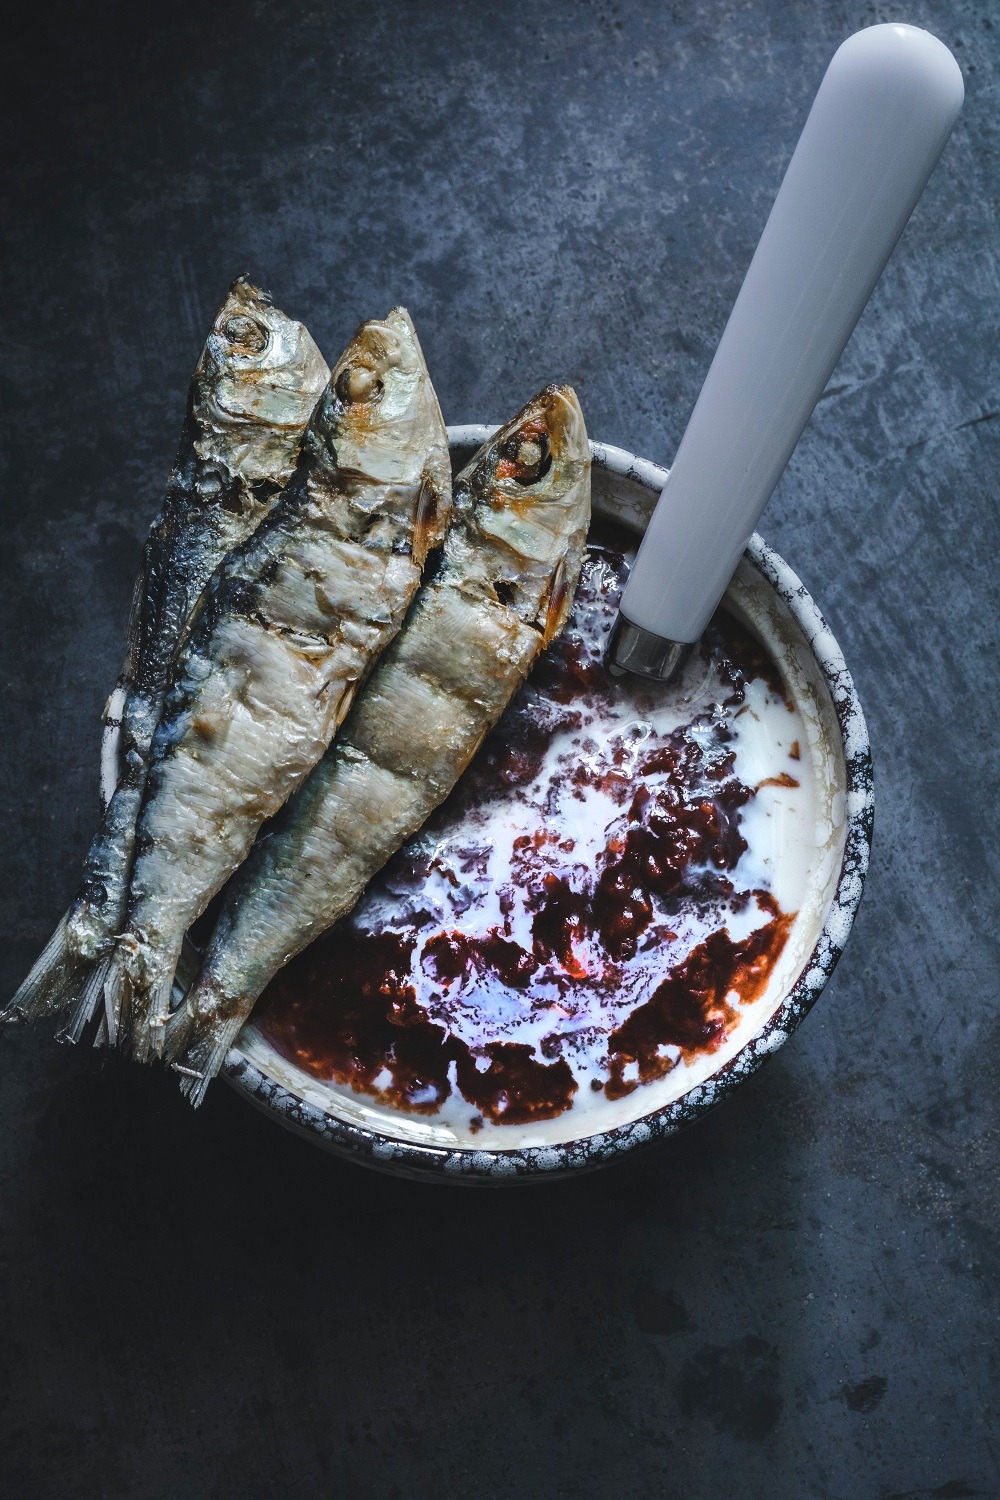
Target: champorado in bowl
{"type": "Point", "coordinates": [633, 896]}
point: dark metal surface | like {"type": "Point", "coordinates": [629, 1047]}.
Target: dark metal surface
{"type": "Point", "coordinates": [798, 1297]}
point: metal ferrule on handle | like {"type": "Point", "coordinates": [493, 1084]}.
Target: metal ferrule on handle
{"type": "Point", "coordinates": [876, 129]}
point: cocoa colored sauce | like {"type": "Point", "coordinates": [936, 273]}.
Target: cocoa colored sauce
{"type": "Point", "coordinates": [375, 1009]}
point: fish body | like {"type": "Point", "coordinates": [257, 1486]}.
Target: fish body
{"type": "Point", "coordinates": [254, 388]}
{"type": "Point", "coordinates": [502, 591]}
{"type": "Point", "coordinates": [289, 626]}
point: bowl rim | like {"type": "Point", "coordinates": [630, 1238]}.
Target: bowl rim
{"type": "Point", "coordinates": [534, 1162]}
{"type": "Point", "coordinates": [527, 1163]}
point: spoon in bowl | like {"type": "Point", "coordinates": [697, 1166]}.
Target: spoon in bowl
{"type": "Point", "coordinates": [884, 110]}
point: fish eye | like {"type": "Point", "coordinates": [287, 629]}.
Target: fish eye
{"type": "Point", "coordinates": [526, 456]}
{"type": "Point", "coordinates": [245, 334]}
{"type": "Point", "coordinates": [358, 383]}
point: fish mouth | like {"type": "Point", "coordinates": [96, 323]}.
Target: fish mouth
{"type": "Point", "coordinates": [252, 341]}
{"type": "Point", "coordinates": [379, 412]}
{"type": "Point", "coordinates": [379, 383]}
{"type": "Point", "coordinates": [377, 348]}
{"type": "Point", "coordinates": [544, 439]}
{"type": "Point", "coordinates": [567, 431]}
{"type": "Point", "coordinates": [259, 367]}
{"type": "Point", "coordinates": [242, 326]}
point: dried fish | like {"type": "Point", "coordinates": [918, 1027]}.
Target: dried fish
{"type": "Point", "coordinates": [502, 591]}
{"type": "Point", "coordinates": [254, 388]}
{"type": "Point", "coordinates": [287, 629]}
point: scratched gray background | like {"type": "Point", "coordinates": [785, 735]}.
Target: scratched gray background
{"type": "Point", "coordinates": [799, 1296]}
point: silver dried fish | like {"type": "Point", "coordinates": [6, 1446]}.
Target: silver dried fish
{"type": "Point", "coordinates": [502, 591]}
{"type": "Point", "coordinates": [288, 627]}
{"type": "Point", "coordinates": [254, 388]}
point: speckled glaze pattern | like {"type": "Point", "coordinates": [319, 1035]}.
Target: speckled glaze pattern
{"type": "Point", "coordinates": [626, 488]}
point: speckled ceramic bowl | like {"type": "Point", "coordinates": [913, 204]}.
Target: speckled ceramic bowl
{"type": "Point", "coordinates": [768, 596]}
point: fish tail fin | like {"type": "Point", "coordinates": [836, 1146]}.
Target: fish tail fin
{"type": "Point", "coordinates": [203, 1061]}
{"type": "Point", "coordinates": [136, 997]}
{"type": "Point", "coordinates": [198, 1053]}
{"type": "Point", "coordinates": [117, 999]}
{"type": "Point", "coordinates": [62, 979]}
{"type": "Point", "coordinates": [90, 995]}
{"type": "Point", "coordinates": [150, 1019]}
{"type": "Point", "coordinates": [50, 976]}
{"type": "Point", "coordinates": [181, 1031]}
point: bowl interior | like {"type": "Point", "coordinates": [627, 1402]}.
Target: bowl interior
{"type": "Point", "coordinates": [767, 597]}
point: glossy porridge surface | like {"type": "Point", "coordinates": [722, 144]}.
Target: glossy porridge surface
{"type": "Point", "coordinates": [600, 905]}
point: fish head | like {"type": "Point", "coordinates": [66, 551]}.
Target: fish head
{"type": "Point", "coordinates": [524, 499]}
{"type": "Point", "coordinates": [256, 385]}
{"type": "Point", "coordinates": [380, 418]}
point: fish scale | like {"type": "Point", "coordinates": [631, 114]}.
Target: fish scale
{"type": "Point", "coordinates": [502, 590]}
{"type": "Point", "coordinates": [290, 624]}
{"type": "Point", "coordinates": [253, 390]}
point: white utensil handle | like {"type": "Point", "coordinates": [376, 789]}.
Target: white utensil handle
{"type": "Point", "coordinates": [876, 129]}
